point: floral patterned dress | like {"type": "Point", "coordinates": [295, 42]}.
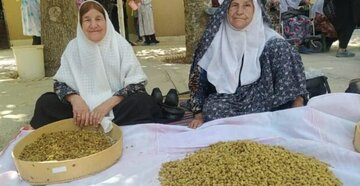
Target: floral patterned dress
{"type": "Point", "coordinates": [282, 79]}
{"type": "Point", "coordinates": [297, 29]}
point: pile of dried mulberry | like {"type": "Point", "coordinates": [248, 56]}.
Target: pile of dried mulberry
{"type": "Point", "coordinates": [246, 163]}
{"type": "Point", "coordinates": [65, 145]}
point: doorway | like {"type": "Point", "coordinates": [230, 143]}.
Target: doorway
{"type": "Point", "coordinates": [4, 36]}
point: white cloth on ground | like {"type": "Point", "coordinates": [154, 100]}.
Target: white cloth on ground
{"type": "Point", "coordinates": [98, 70]}
{"type": "Point", "coordinates": [323, 129]}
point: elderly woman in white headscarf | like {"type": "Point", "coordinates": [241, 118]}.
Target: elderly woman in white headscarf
{"type": "Point", "coordinates": [99, 81]}
{"type": "Point", "coordinates": [242, 66]}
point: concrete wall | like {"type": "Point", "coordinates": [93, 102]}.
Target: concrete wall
{"type": "Point", "coordinates": [13, 19]}
{"type": "Point", "coordinates": [169, 18]}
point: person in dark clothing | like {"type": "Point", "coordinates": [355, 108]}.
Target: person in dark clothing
{"type": "Point", "coordinates": [344, 24]}
{"type": "Point", "coordinates": [354, 86]}
{"type": "Point", "coordinates": [343, 16]}
{"type": "Point", "coordinates": [114, 17]}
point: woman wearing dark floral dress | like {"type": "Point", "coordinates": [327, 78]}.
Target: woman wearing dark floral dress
{"type": "Point", "coordinates": [242, 66]}
{"type": "Point", "coordinates": [297, 27]}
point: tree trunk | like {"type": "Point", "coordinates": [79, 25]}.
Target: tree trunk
{"type": "Point", "coordinates": [195, 23]}
{"type": "Point", "coordinates": [58, 27]}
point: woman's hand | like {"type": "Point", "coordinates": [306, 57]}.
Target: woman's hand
{"type": "Point", "coordinates": [197, 121]}
{"type": "Point", "coordinates": [298, 102]}
{"type": "Point", "coordinates": [103, 109]}
{"type": "Point", "coordinates": [81, 112]}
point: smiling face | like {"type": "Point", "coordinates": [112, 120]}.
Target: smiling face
{"type": "Point", "coordinates": [93, 24]}
{"type": "Point", "coordinates": [240, 13]}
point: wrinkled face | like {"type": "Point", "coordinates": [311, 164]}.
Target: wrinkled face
{"type": "Point", "coordinates": [240, 13]}
{"type": "Point", "coordinates": [94, 25]}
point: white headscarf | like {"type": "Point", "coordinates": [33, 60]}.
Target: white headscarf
{"type": "Point", "coordinates": [98, 70]}
{"type": "Point", "coordinates": [317, 8]}
{"type": "Point", "coordinates": [285, 4]}
{"type": "Point", "coordinates": [223, 59]}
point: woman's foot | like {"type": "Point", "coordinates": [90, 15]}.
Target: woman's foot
{"type": "Point", "coordinates": [344, 53]}
{"type": "Point", "coordinates": [28, 127]}
{"type": "Point", "coordinates": [304, 50]}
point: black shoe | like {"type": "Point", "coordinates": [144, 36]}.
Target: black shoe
{"type": "Point", "coordinates": [36, 40]}
{"type": "Point", "coordinates": [146, 43]}
{"type": "Point", "coordinates": [153, 39]}
{"type": "Point", "coordinates": [147, 40]}
{"type": "Point", "coordinates": [172, 98]}
{"type": "Point", "coordinates": [172, 113]}
{"type": "Point", "coordinates": [157, 95]}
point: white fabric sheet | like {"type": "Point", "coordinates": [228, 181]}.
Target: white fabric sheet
{"type": "Point", "coordinates": [324, 129]}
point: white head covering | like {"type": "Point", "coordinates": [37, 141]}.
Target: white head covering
{"type": "Point", "coordinates": [98, 70]}
{"type": "Point", "coordinates": [223, 59]}
{"type": "Point", "coordinates": [317, 8]}
{"type": "Point", "coordinates": [285, 4]}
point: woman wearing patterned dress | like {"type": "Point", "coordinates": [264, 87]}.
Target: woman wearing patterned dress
{"type": "Point", "coordinates": [31, 20]}
{"type": "Point", "coordinates": [296, 27]}
{"type": "Point", "coordinates": [99, 81]}
{"type": "Point", "coordinates": [242, 66]}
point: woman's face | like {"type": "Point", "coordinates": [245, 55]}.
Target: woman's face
{"type": "Point", "coordinates": [240, 13]}
{"type": "Point", "coordinates": [94, 25]}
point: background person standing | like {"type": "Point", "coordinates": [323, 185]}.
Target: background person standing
{"type": "Point", "coordinates": [344, 16]}
{"type": "Point", "coordinates": [345, 24]}
{"type": "Point", "coordinates": [31, 20]}
{"type": "Point", "coordinates": [146, 22]}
